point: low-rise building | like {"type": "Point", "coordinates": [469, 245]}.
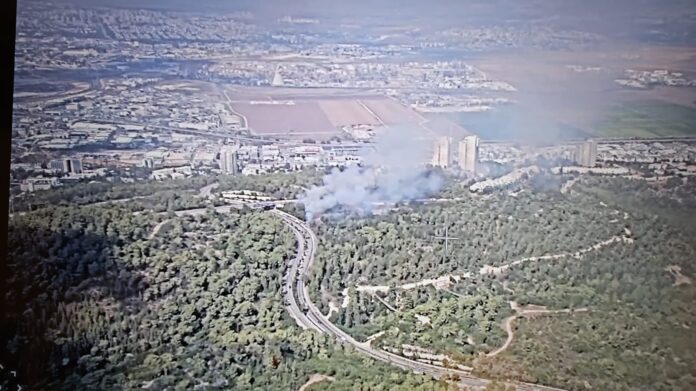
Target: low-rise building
{"type": "Point", "coordinates": [34, 184]}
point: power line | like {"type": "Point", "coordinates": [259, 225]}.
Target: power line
{"type": "Point", "coordinates": [446, 238]}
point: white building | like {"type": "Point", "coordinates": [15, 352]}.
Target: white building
{"type": "Point", "coordinates": [253, 169]}
{"type": "Point", "coordinates": [172, 173]}
{"type": "Point", "coordinates": [586, 154]}
{"type": "Point", "coordinates": [505, 180]}
{"type": "Point", "coordinates": [469, 154]}
{"type": "Point", "coordinates": [72, 166]}
{"type": "Point", "coordinates": [34, 184]}
{"type": "Point", "coordinates": [442, 156]}
{"type": "Point", "coordinates": [228, 161]}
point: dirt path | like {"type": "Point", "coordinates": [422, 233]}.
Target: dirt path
{"type": "Point", "coordinates": [315, 378]}
{"type": "Point", "coordinates": [206, 191]}
{"type": "Point", "coordinates": [451, 292]}
{"type": "Point", "coordinates": [374, 336]}
{"type": "Point", "coordinates": [157, 229]}
{"type": "Point", "coordinates": [679, 277]}
{"type": "Point", "coordinates": [444, 282]}
{"type": "Point", "coordinates": [507, 322]}
{"type": "Point", "coordinates": [488, 269]}
{"type": "Point", "coordinates": [441, 282]}
{"type": "Point", "coordinates": [507, 326]}
{"type": "Point", "coordinates": [392, 309]}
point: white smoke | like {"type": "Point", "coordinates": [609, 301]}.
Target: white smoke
{"type": "Point", "coordinates": [395, 171]}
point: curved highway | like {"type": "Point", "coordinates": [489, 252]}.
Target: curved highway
{"type": "Point", "coordinates": [308, 316]}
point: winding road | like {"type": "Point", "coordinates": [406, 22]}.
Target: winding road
{"type": "Point", "coordinates": [308, 316]}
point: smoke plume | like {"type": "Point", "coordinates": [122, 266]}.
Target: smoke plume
{"type": "Point", "coordinates": [395, 171]}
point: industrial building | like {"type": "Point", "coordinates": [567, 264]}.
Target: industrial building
{"type": "Point", "coordinates": [469, 154]}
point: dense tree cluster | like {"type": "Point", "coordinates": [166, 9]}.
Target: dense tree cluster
{"type": "Point", "coordinates": [174, 194]}
{"type": "Point", "coordinates": [624, 282]}
{"type": "Point", "coordinates": [403, 245]}
{"type": "Point", "coordinates": [636, 334]}
{"type": "Point", "coordinates": [98, 300]}
{"type": "Point", "coordinates": [87, 193]}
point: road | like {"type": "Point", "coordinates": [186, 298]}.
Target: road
{"type": "Point", "coordinates": [206, 191]}
{"type": "Point", "coordinates": [308, 316]}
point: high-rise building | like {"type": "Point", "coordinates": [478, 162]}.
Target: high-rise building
{"type": "Point", "coordinates": [277, 78]}
{"type": "Point", "coordinates": [586, 154]}
{"type": "Point", "coordinates": [469, 154]}
{"type": "Point", "coordinates": [56, 165]}
{"type": "Point", "coordinates": [228, 161]}
{"type": "Point", "coordinates": [442, 156]}
{"type": "Point", "coordinates": [72, 166]}
{"type": "Point", "coordinates": [148, 162]}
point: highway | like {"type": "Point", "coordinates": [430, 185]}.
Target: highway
{"type": "Point", "coordinates": [308, 316]}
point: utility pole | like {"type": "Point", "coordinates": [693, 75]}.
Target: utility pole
{"type": "Point", "coordinates": [446, 238]}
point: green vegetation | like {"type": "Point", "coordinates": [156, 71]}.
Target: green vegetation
{"type": "Point", "coordinates": [647, 119]}
{"type": "Point", "coordinates": [167, 195]}
{"type": "Point", "coordinates": [94, 301]}
{"type": "Point", "coordinates": [611, 244]}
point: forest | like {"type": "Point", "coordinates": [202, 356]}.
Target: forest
{"type": "Point", "coordinates": [161, 196]}
{"type": "Point", "coordinates": [94, 301]}
{"type": "Point", "coordinates": [597, 283]}
{"type": "Point", "coordinates": [595, 286]}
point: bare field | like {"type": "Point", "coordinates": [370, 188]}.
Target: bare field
{"type": "Point", "coordinates": [547, 73]}
{"type": "Point", "coordinates": [553, 99]}
{"type": "Point", "coordinates": [317, 113]}
{"type": "Point", "coordinates": [298, 119]}
{"type": "Point", "coordinates": [346, 112]}
{"type": "Point", "coordinates": [392, 112]}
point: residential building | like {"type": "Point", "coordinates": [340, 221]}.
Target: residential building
{"type": "Point", "coordinates": [586, 154]}
{"type": "Point", "coordinates": [442, 156]}
{"type": "Point", "coordinates": [469, 154]}
{"type": "Point", "coordinates": [72, 166]}
{"type": "Point", "coordinates": [34, 184]}
{"type": "Point", "coordinates": [56, 165]}
{"type": "Point", "coordinates": [228, 161]}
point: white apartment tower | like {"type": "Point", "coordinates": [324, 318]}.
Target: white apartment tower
{"type": "Point", "coordinates": [586, 154]}
{"type": "Point", "coordinates": [442, 156]}
{"type": "Point", "coordinates": [228, 161]}
{"type": "Point", "coordinates": [277, 78]}
{"type": "Point", "coordinates": [72, 166]}
{"type": "Point", "coordinates": [469, 154]}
